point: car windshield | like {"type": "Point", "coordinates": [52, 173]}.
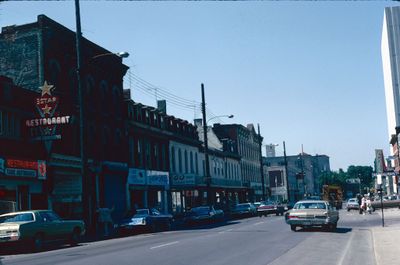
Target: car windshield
{"type": "Point", "coordinates": [11, 218]}
{"type": "Point", "coordinates": [310, 205]}
{"type": "Point", "coordinates": [352, 200]}
{"type": "Point", "coordinates": [244, 205]}
{"type": "Point", "coordinates": [141, 213]}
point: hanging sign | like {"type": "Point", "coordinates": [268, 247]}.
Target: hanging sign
{"type": "Point", "coordinates": [46, 124]}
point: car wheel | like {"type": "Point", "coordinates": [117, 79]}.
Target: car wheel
{"type": "Point", "coordinates": [75, 236]}
{"type": "Point", "coordinates": [37, 242]}
{"type": "Point", "coordinates": [293, 228]}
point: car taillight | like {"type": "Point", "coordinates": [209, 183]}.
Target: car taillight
{"type": "Point", "coordinates": [292, 216]}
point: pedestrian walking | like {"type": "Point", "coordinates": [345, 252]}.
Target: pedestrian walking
{"type": "Point", "coordinates": [359, 200]}
{"type": "Point", "coordinates": [363, 205]}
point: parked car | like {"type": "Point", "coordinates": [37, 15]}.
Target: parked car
{"type": "Point", "coordinates": [352, 204]}
{"type": "Point", "coordinates": [244, 209]}
{"type": "Point", "coordinates": [389, 201]}
{"type": "Point", "coordinates": [203, 214]}
{"type": "Point", "coordinates": [34, 228]}
{"type": "Point", "coordinates": [144, 220]}
{"type": "Point", "coordinates": [312, 213]}
{"type": "Point", "coordinates": [270, 207]}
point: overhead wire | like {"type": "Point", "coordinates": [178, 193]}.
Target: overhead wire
{"type": "Point", "coordinates": [153, 91]}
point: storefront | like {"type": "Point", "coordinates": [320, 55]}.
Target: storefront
{"type": "Point", "coordinates": [21, 186]}
{"type": "Point", "coordinates": [185, 194]}
{"type": "Point", "coordinates": [148, 189]}
{"type": "Point", "coordinates": [112, 187]}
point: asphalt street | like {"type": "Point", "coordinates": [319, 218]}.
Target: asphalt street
{"type": "Point", "coordinates": [258, 241]}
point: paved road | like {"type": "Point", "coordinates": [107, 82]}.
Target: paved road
{"type": "Point", "coordinates": [257, 241]}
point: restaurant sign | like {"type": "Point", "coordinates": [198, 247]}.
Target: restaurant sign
{"type": "Point", "coordinates": [46, 124]}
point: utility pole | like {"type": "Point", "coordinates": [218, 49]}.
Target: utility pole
{"type": "Point", "coordinates": [286, 172]}
{"type": "Point", "coordinates": [261, 164]}
{"type": "Point", "coordinates": [207, 161]}
{"type": "Point", "coordinates": [86, 201]}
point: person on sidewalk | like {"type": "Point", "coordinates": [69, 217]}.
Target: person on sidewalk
{"type": "Point", "coordinates": [359, 200]}
{"type": "Point", "coordinates": [105, 220]}
{"type": "Point", "coordinates": [363, 205]}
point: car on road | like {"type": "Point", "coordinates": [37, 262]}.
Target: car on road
{"type": "Point", "coordinates": [36, 227]}
{"type": "Point", "coordinates": [270, 207]}
{"type": "Point", "coordinates": [352, 204]}
{"type": "Point", "coordinates": [244, 210]}
{"type": "Point", "coordinates": [144, 220]}
{"type": "Point", "coordinates": [203, 215]}
{"type": "Point", "coordinates": [312, 213]}
{"type": "Point", "coordinates": [389, 201]}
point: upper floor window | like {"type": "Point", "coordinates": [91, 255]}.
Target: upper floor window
{"type": "Point", "coordinates": [180, 160]}
{"type": "Point", "coordinates": [173, 159]}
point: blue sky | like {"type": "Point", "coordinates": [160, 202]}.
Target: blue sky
{"type": "Point", "coordinates": [310, 73]}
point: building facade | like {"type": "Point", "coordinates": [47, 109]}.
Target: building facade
{"type": "Point", "coordinates": [23, 170]}
{"type": "Point", "coordinates": [246, 144]}
{"type": "Point", "coordinates": [41, 57]}
{"type": "Point", "coordinates": [303, 172]}
{"type": "Point", "coordinates": [390, 46]}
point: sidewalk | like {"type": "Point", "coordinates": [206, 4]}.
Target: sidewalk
{"type": "Point", "coordinates": [387, 239]}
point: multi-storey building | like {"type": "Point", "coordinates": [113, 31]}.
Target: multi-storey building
{"type": "Point", "coordinates": [301, 177]}
{"type": "Point", "coordinates": [23, 176]}
{"type": "Point", "coordinates": [163, 159]}
{"type": "Point", "coordinates": [224, 166]}
{"type": "Point", "coordinates": [43, 54]}
{"type": "Point", "coordinates": [246, 144]}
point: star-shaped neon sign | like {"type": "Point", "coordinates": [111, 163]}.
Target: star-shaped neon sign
{"type": "Point", "coordinates": [46, 89]}
{"type": "Point", "coordinates": [46, 109]}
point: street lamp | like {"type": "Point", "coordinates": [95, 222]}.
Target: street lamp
{"type": "Point", "coordinates": [221, 116]}
{"type": "Point", "coordinates": [119, 54]}
{"type": "Point", "coordinates": [207, 159]}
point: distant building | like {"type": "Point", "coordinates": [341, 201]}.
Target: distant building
{"type": "Point", "coordinates": [303, 171]}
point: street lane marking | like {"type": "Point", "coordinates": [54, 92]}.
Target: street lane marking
{"type": "Point", "coordinates": [164, 245]}
{"type": "Point", "coordinates": [221, 232]}
{"type": "Point", "coordinates": [346, 249]}
{"type": "Point", "coordinates": [258, 223]}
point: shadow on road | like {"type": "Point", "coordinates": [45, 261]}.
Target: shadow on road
{"type": "Point", "coordinates": [339, 230]}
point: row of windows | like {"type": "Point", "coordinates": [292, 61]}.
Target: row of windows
{"type": "Point", "coordinates": [10, 124]}
{"type": "Point", "coordinates": [251, 172]}
{"type": "Point", "coordinates": [146, 154]}
{"type": "Point", "coordinates": [249, 150]}
{"type": "Point", "coordinates": [140, 113]}
{"type": "Point", "coordinates": [191, 162]}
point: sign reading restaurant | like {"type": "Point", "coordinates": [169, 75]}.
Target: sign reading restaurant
{"type": "Point", "coordinates": [46, 106]}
